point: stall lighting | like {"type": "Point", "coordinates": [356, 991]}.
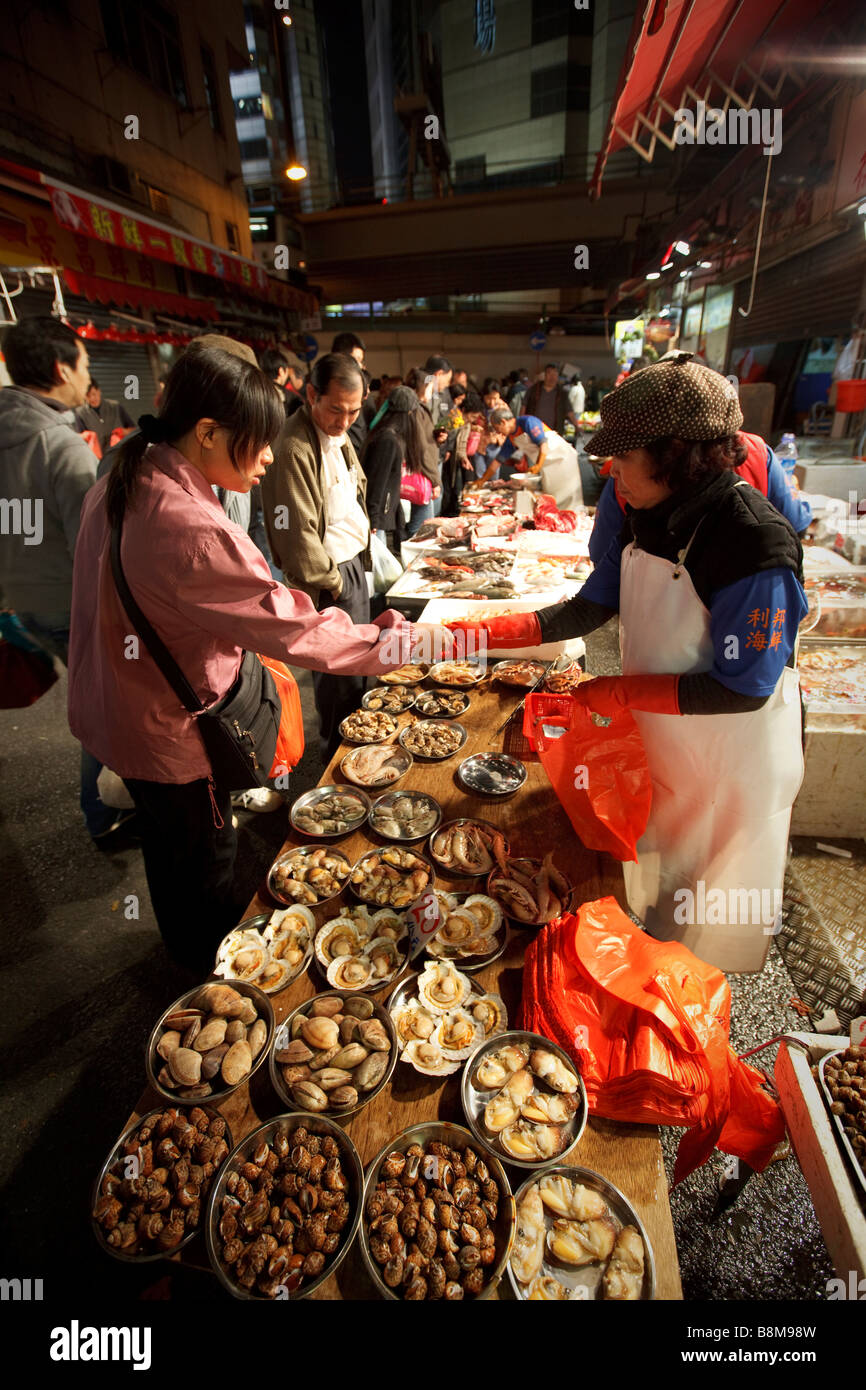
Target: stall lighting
{"type": "Point", "coordinates": [295, 172]}
{"type": "Point", "coordinates": [705, 265]}
{"type": "Point", "coordinates": [287, 19]}
{"type": "Point", "coordinates": [653, 275]}
{"type": "Point", "coordinates": [684, 274]}
{"type": "Point", "coordinates": [683, 247]}
{"type": "Point", "coordinates": [668, 265]}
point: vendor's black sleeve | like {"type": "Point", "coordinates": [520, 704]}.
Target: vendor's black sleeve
{"type": "Point", "coordinates": [703, 694]}
{"type": "Point", "coordinates": [574, 618]}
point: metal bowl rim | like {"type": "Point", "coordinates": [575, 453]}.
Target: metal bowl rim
{"type": "Point", "coordinates": [337, 1115]}
{"type": "Point", "coordinates": [467, 820]}
{"type": "Point", "coordinates": [403, 839]}
{"type": "Point", "coordinates": [185, 1001]}
{"type": "Point", "coordinates": [305, 851]}
{"type": "Point", "coordinates": [474, 758]}
{"type": "Point", "coordinates": [435, 757]}
{"type": "Point", "coordinates": [316, 794]}
{"type": "Point", "coordinates": [375, 786]}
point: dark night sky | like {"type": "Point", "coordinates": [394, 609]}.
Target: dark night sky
{"type": "Point", "coordinates": [341, 25]}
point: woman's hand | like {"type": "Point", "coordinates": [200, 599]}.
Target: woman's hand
{"type": "Point", "coordinates": [437, 492]}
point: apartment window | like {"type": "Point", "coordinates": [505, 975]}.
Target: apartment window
{"type": "Point", "coordinates": [145, 36]}
{"type": "Point", "coordinates": [248, 106]}
{"type": "Point", "coordinates": [551, 19]}
{"type": "Point", "coordinates": [211, 89]}
{"type": "Point", "coordinates": [564, 87]}
{"type": "Point", "coordinates": [254, 149]}
{"type": "Point", "coordinates": [470, 172]}
{"type": "Point", "coordinates": [232, 236]}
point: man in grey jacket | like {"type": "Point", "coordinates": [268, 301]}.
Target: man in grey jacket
{"type": "Point", "coordinates": [45, 471]}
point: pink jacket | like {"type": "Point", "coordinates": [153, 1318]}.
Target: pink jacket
{"type": "Point", "coordinates": [209, 594]}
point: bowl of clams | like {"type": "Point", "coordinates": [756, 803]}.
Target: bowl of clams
{"type": "Point", "coordinates": [524, 1099]}
{"type": "Point", "coordinates": [333, 1055]}
{"type": "Point", "coordinates": [285, 1209]}
{"type": "Point", "coordinates": [405, 816]}
{"type": "Point", "coordinates": [150, 1195]}
{"type": "Point", "coordinates": [439, 1217]}
{"type": "Point", "coordinates": [367, 726]}
{"type": "Point", "coordinates": [210, 1041]}
{"type": "Point", "coordinates": [329, 812]}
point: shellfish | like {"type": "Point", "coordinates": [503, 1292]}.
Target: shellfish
{"type": "Point", "coordinates": [571, 1199]}
{"type": "Point", "coordinates": [413, 1022]}
{"type": "Point", "coordinates": [350, 972]}
{"type": "Point", "coordinates": [428, 1058]}
{"type": "Point", "coordinates": [442, 988]}
{"type": "Point", "coordinates": [456, 1034]}
{"type": "Point", "coordinates": [623, 1278]}
{"type": "Point", "coordinates": [581, 1242]}
{"type": "Point", "coordinates": [489, 1013]}
{"type": "Point", "coordinates": [554, 1071]}
{"type": "Point", "coordinates": [527, 1254]}
{"type": "Point", "coordinates": [497, 1066]}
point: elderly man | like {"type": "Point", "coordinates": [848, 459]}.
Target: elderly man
{"type": "Point", "coordinates": [316, 518]}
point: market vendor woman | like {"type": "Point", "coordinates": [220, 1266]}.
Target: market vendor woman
{"type": "Point", "coordinates": [705, 577]}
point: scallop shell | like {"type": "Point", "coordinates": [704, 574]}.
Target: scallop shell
{"type": "Point", "coordinates": [426, 1057]}
{"type": "Point", "coordinates": [442, 988]}
{"type": "Point", "coordinates": [413, 1023]}
{"type": "Point", "coordinates": [337, 938]}
{"type": "Point", "coordinates": [275, 976]}
{"type": "Point", "coordinates": [294, 916]}
{"type": "Point", "coordinates": [447, 901]}
{"type": "Point", "coordinates": [384, 957]}
{"type": "Point", "coordinates": [362, 920]}
{"type": "Point", "coordinates": [350, 972]}
{"type": "Point", "coordinates": [486, 911]}
{"type": "Point", "coordinates": [243, 955]}
{"type": "Point", "coordinates": [456, 1034]}
{"type": "Point", "coordinates": [490, 1014]}
{"type": "Point", "coordinates": [387, 922]}
{"type": "Point", "coordinates": [458, 928]}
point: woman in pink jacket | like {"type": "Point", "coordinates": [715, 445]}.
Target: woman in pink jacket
{"type": "Point", "coordinates": [208, 593]}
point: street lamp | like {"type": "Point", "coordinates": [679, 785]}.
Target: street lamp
{"type": "Point", "coordinates": [296, 172]}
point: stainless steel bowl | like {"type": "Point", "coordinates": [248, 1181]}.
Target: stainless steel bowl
{"type": "Point", "coordinates": [466, 820]}
{"type": "Point", "coordinates": [456, 1137]}
{"type": "Point", "coordinates": [433, 757]}
{"type": "Point", "coordinates": [455, 690]}
{"type": "Point", "coordinates": [400, 754]}
{"type": "Point", "coordinates": [154, 1063]}
{"type": "Point", "coordinates": [407, 989]}
{"type": "Point", "coordinates": [310, 800]}
{"type": "Point", "coordinates": [587, 1278]}
{"type": "Point", "coordinates": [118, 1156]}
{"type": "Point", "coordinates": [435, 675]}
{"type": "Point", "coordinates": [479, 775]}
{"type": "Point", "coordinates": [283, 1035]}
{"type": "Point", "coordinates": [407, 701]}
{"type": "Point", "coordinates": [377, 854]}
{"type": "Point", "coordinates": [383, 803]}
{"type": "Point", "coordinates": [474, 1099]}
{"type": "Point", "coordinates": [287, 1124]}
{"type": "Point", "coordinates": [519, 921]}
{"type": "Point", "coordinates": [365, 740]}
{"type": "Point", "coordinates": [501, 669]}
{"type": "Point", "coordinates": [303, 852]}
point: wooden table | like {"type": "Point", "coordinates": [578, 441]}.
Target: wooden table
{"type": "Point", "coordinates": [628, 1155]}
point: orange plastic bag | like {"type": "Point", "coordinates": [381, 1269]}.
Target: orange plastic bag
{"type": "Point", "coordinates": [597, 767]}
{"type": "Point", "coordinates": [290, 739]}
{"type": "Point", "coordinates": [647, 1024]}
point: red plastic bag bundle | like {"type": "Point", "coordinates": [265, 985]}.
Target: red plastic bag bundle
{"type": "Point", "coordinates": [597, 767]}
{"type": "Point", "coordinates": [647, 1024]}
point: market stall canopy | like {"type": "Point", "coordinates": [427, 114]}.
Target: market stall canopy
{"type": "Point", "coordinates": [729, 54]}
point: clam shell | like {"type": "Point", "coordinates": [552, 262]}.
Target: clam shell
{"type": "Point", "coordinates": [237, 1063]}
{"type": "Point", "coordinates": [457, 1034]}
{"type": "Point", "coordinates": [222, 1000]}
{"type": "Point", "coordinates": [211, 1035]}
{"type": "Point", "coordinates": [500, 1112]}
{"type": "Point", "coordinates": [519, 1141]}
{"type": "Point", "coordinates": [350, 972]}
{"type": "Point", "coordinates": [442, 988]}
{"type": "Point", "coordinates": [337, 938]}
{"type": "Point", "coordinates": [185, 1066]}
{"type": "Point", "coordinates": [358, 1008]}
{"type": "Point", "coordinates": [553, 1070]}
{"type": "Point", "coordinates": [320, 1032]}
{"type": "Point", "coordinates": [426, 1057]}
{"type": "Point", "coordinates": [370, 1072]}
{"type": "Point", "coordinates": [497, 1066]}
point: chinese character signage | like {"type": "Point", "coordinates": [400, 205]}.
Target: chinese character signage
{"type": "Point", "coordinates": [485, 25]}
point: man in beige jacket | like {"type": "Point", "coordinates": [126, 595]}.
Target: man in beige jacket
{"type": "Point", "coordinates": [316, 518]}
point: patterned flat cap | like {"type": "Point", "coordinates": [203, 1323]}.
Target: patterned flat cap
{"type": "Point", "coordinates": [677, 399]}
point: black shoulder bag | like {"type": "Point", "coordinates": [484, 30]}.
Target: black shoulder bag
{"type": "Point", "coordinates": [240, 731]}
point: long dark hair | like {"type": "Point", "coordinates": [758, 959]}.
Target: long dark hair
{"type": "Point", "coordinates": [206, 384]}
{"type": "Point", "coordinates": [406, 425]}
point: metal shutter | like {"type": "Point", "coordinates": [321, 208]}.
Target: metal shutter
{"type": "Point", "coordinates": [813, 295]}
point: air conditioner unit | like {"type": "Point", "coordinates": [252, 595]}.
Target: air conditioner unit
{"type": "Point", "coordinates": [159, 201]}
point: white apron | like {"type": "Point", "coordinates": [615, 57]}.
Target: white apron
{"type": "Point", "coordinates": [711, 862]}
{"type": "Point", "coordinates": [560, 473]}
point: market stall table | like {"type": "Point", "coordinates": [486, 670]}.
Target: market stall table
{"type": "Point", "coordinates": [628, 1155]}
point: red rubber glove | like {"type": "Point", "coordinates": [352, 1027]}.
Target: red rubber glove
{"type": "Point", "coordinates": [609, 694]}
{"type": "Point", "coordinates": [511, 630]}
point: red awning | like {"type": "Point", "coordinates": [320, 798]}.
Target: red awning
{"type": "Point", "coordinates": [727, 53]}
{"type": "Point", "coordinates": [101, 291]}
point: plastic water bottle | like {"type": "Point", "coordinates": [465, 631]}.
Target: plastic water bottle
{"type": "Point", "coordinates": [787, 452]}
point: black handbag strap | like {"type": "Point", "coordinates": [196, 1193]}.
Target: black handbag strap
{"type": "Point", "coordinates": [154, 644]}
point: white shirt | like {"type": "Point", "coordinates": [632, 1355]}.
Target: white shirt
{"type": "Point", "coordinates": [348, 529]}
{"type": "Point", "coordinates": [577, 398]}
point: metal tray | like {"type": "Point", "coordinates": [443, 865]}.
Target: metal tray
{"type": "Point", "coordinates": [836, 1121]}
{"type": "Point", "coordinates": [117, 1155]}
{"type": "Point", "coordinates": [377, 853]}
{"type": "Point", "coordinates": [388, 690]}
{"type": "Point", "coordinates": [476, 773]}
{"type": "Point", "coordinates": [258, 924]}
{"type": "Point", "coordinates": [474, 1098]}
{"type": "Point", "coordinates": [400, 753]}
{"type": "Point", "coordinates": [465, 820]}
{"type": "Point", "coordinates": [455, 690]}
{"type": "Point", "coordinates": [312, 798]}
{"type": "Point", "coordinates": [433, 757]}
{"type": "Point", "coordinates": [500, 672]}
{"type": "Point", "coordinates": [468, 965]}
{"type": "Point", "coordinates": [408, 989]}
{"type": "Point", "coordinates": [456, 1137]}
{"type": "Point", "coordinates": [434, 674]}
{"type": "Point", "coordinates": [314, 1124]}
{"type": "Point", "coordinates": [283, 1035]}
{"type": "Point", "coordinates": [383, 802]}
{"type": "Point", "coordinates": [265, 1011]}
{"type": "Point", "coordinates": [304, 852]}
{"type": "Point", "coordinates": [587, 1278]}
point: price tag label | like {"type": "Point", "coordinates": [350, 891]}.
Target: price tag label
{"type": "Point", "coordinates": [858, 1032]}
{"type": "Point", "coordinates": [424, 918]}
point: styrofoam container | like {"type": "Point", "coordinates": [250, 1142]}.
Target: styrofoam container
{"type": "Point", "coordinates": [447, 610]}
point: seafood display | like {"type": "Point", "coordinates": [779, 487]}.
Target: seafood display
{"type": "Point", "coordinates": [308, 875]}
{"type": "Point", "coordinates": [362, 950]}
{"type": "Point", "coordinates": [286, 1210]}
{"type": "Point", "coordinates": [833, 675]}
{"type": "Point", "coordinates": [437, 1220]}
{"type": "Point", "coordinates": [390, 877]}
{"type": "Point", "coordinates": [561, 682]}
{"type": "Point", "coordinates": [440, 1017]}
{"type": "Point", "coordinates": [492, 774]}
{"type": "Point", "coordinates": [329, 811]}
{"type": "Point", "coordinates": [333, 1054]}
{"type": "Point", "coordinates": [442, 704]}
{"type": "Point", "coordinates": [410, 674]}
{"type": "Point", "coordinates": [520, 673]}
{"type": "Point", "coordinates": [405, 815]}
{"type": "Point", "coordinates": [209, 1042]}
{"type": "Point", "coordinates": [392, 699]}
{"type": "Point", "coordinates": [367, 726]}
{"type": "Point", "coordinates": [466, 847]}
{"type": "Point", "coordinates": [577, 1239]}
{"type": "Point", "coordinates": [547, 573]}
{"type": "Point", "coordinates": [150, 1197]}
{"type": "Point", "coordinates": [271, 951]}
{"type": "Point", "coordinates": [837, 605]}
{"type": "Point", "coordinates": [445, 533]}
{"type": "Point", "coordinates": [376, 766]}
{"type": "Point", "coordinates": [530, 890]}
{"type": "Point", "coordinates": [471, 931]}
{"type": "Point", "coordinates": [457, 673]}
{"type": "Point", "coordinates": [433, 739]}
{"type": "Point", "coordinates": [843, 1075]}
{"type": "Point", "coordinates": [524, 1101]}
